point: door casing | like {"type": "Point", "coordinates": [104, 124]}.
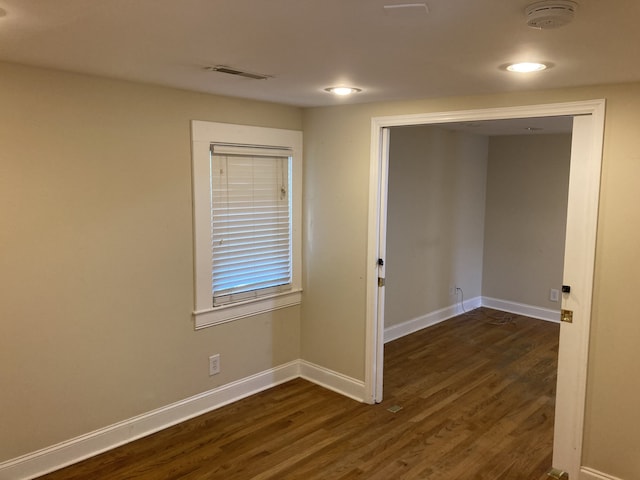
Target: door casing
{"type": "Point", "coordinates": [582, 216]}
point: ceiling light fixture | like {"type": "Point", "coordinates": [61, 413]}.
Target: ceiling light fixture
{"type": "Point", "coordinates": [526, 67]}
{"type": "Point", "coordinates": [342, 91]}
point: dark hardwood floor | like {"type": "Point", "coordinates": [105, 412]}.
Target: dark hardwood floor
{"type": "Point", "coordinates": [476, 396]}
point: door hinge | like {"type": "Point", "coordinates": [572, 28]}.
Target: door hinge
{"type": "Point", "coordinates": [381, 281]}
{"type": "Point", "coordinates": [566, 316]}
{"type": "Point", "coordinates": [558, 474]}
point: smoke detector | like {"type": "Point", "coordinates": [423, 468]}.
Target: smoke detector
{"type": "Point", "coordinates": [550, 14]}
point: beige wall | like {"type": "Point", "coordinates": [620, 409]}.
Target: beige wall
{"type": "Point", "coordinates": [435, 220]}
{"type": "Point", "coordinates": [527, 186]}
{"type": "Point", "coordinates": [96, 256]}
{"type": "Point", "coordinates": [337, 143]}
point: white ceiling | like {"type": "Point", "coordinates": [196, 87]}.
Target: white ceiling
{"type": "Point", "coordinates": [307, 45]}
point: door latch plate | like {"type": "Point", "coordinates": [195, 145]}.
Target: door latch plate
{"type": "Point", "coordinates": [566, 316]}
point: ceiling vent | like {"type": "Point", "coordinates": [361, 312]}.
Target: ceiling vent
{"type": "Point", "coordinates": [235, 71]}
{"type": "Point", "coordinates": [550, 14]}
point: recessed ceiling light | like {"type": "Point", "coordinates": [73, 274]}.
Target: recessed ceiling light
{"type": "Point", "coordinates": [526, 67]}
{"type": "Point", "coordinates": [342, 90]}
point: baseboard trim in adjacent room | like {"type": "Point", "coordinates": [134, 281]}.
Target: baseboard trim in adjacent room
{"type": "Point", "coordinates": [590, 474]}
{"type": "Point", "coordinates": [410, 326]}
{"type": "Point", "coordinates": [76, 449]}
{"type": "Point", "coordinates": [331, 380]}
{"type": "Point", "coordinates": [522, 309]}
{"type": "Point", "coordinates": [405, 328]}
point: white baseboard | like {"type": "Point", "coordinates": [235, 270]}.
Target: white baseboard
{"type": "Point", "coordinates": [342, 384]}
{"type": "Point", "coordinates": [405, 328]}
{"type": "Point", "coordinates": [410, 326]}
{"type": "Point", "coordinates": [587, 473]}
{"type": "Point", "coordinates": [522, 309]}
{"type": "Point", "coordinates": [76, 449]}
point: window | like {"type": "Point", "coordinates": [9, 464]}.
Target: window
{"type": "Point", "coordinates": [247, 206]}
{"type": "Point", "coordinates": [250, 222]}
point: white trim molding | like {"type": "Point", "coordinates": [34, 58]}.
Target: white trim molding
{"type": "Point", "coordinates": [331, 380]}
{"type": "Point", "coordinates": [228, 313]}
{"type": "Point", "coordinates": [85, 446]}
{"type": "Point", "coordinates": [522, 309]}
{"type": "Point", "coordinates": [587, 473]}
{"type": "Point", "coordinates": [410, 326]}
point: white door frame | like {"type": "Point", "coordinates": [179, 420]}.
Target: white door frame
{"type": "Point", "coordinates": [582, 215]}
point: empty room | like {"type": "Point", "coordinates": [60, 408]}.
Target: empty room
{"type": "Point", "coordinates": [477, 219]}
{"type": "Point", "coordinates": [127, 130]}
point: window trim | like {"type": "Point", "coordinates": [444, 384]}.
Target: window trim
{"type": "Point", "coordinates": [203, 134]}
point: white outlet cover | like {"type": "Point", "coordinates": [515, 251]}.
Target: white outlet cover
{"type": "Point", "coordinates": [214, 364]}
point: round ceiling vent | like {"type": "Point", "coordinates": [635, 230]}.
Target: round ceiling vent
{"type": "Point", "coordinates": [550, 14]}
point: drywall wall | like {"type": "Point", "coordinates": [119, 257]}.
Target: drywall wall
{"type": "Point", "coordinates": [96, 253]}
{"type": "Point", "coordinates": [96, 274]}
{"type": "Point", "coordinates": [435, 220]}
{"type": "Point", "coordinates": [526, 212]}
{"type": "Point", "coordinates": [337, 159]}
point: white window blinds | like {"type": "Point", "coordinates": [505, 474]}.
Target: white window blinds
{"type": "Point", "coordinates": [250, 222]}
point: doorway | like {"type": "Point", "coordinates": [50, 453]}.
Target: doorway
{"type": "Point", "coordinates": [583, 197]}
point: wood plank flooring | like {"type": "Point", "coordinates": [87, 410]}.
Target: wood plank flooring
{"type": "Point", "coordinates": [477, 402]}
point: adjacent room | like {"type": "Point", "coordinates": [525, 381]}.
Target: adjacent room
{"type": "Point", "coordinates": [478, 218]}
{"type": "Point", "coordinates": [485, 215]}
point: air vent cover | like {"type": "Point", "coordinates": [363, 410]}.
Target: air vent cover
{"type": "Point", "coordinates": [550, 14]}
{"type": "Point", "coordinates": [235, 71]}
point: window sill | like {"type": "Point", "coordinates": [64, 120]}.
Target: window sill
{"type": "Point", "coordinates": [236, 311]}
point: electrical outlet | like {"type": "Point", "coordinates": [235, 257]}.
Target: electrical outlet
{"type": "Point", "coordinates": [554, 294]}
{"type": "Point", "coordinates": [214, 364]}
{"type": "Point", "coordinates": [453, 291]}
